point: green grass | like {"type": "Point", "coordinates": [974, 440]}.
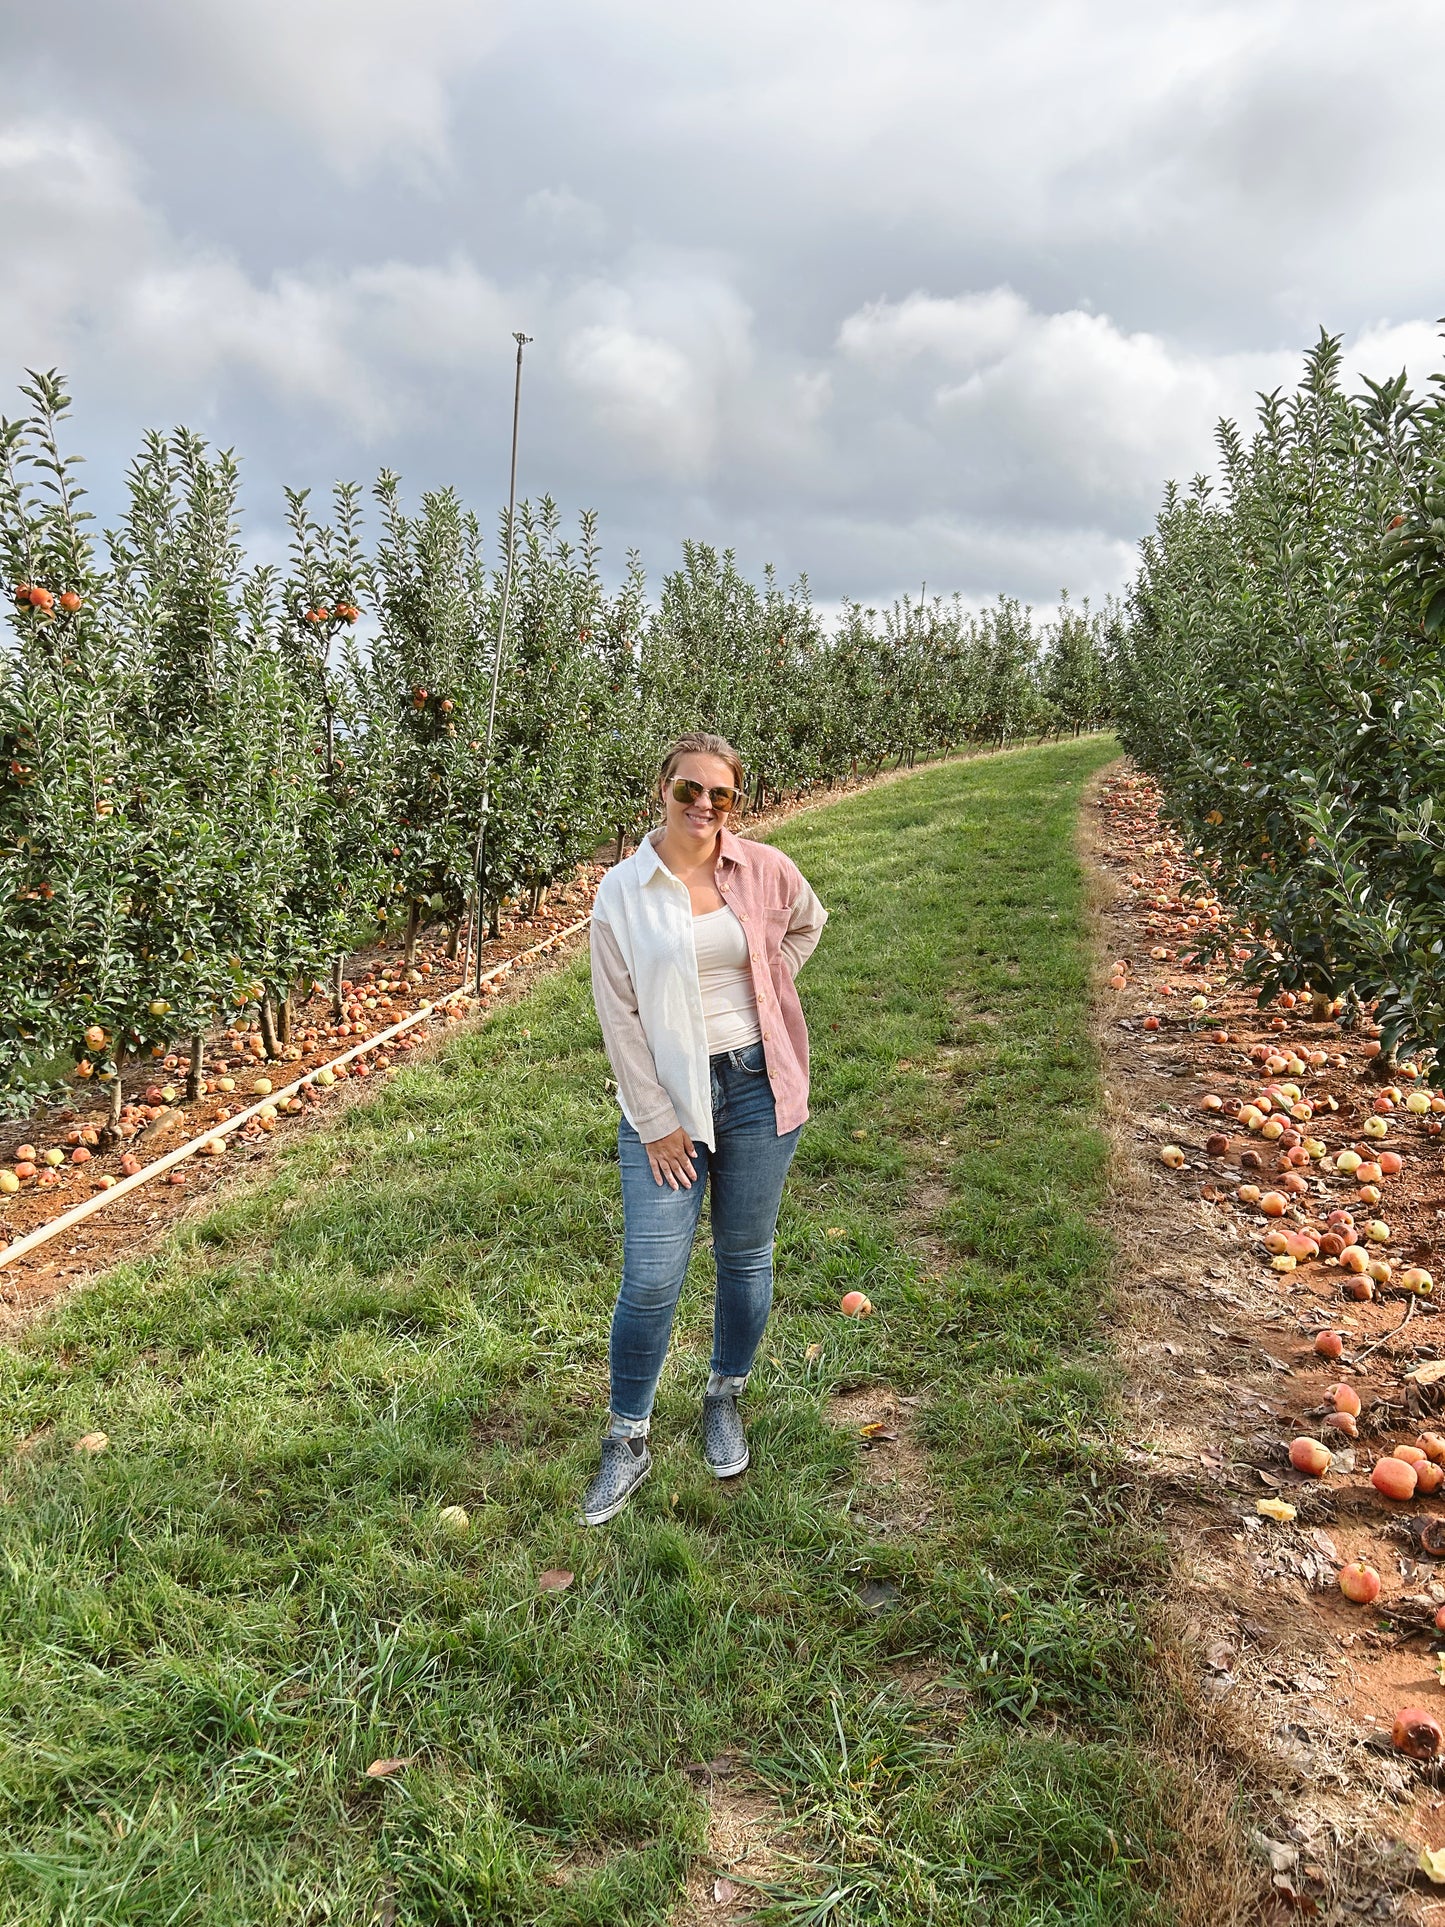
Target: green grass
{"type": "Point", "coordinates": [209, 1631]}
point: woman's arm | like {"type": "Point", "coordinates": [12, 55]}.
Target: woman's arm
{"type": "Point", "coordinates": [805, 926]}
{"type": "Point", "coordinates": [647, 1104]}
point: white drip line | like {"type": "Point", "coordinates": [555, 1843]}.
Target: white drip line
{"type": "Point", "coordinates": [34, 1239]}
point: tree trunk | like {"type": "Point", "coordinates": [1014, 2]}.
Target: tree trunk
{"type": "Point", "coordinates": [268, 1028]}
{"type": "Point", "coordinates": [195, 1075]}
{"type": "Point", "coordinates": [454, 941]}
{"type": "Point", "coordinates": [621, 843]}
{"type": "Point", "coordinates": [117, 1089]}
{"type": "Point", "coordinates": [285, 1017]}
{"type": "Point", "coordinates": [1383, 1069]}
{"type": "Point", "coordinates": [534, 901]}
{"type": "Point", "coordinates": [494, 919]}
{"type": "Point", "coordinates": [1319, 1010]}
{"type": "Point", "coordinates": [413, 929]}
{"type": "Point", "coordinates": [338, 975]}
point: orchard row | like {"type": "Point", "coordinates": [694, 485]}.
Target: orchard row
{"type": "Point", "coordinates": [1282, 675]}
{"type": "Point", "coordinates": [216, 777]}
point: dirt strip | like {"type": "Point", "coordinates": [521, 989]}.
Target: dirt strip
{"type": "Point", "coordinates": [1292, 1688]}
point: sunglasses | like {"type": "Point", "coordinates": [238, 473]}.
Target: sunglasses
{"type": "Point", "coordinates": [686, 792]}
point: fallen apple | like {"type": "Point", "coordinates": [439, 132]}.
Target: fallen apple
{"type": "Point", "coordinates": [1417, 1732]}
{"type": "Point", "coordinates": [1393, 1478]}
{"type": "Point", "coordinates": [1345, 1399]}
{"type": "Point", "coordinates": [1359, 1583]}
{"type": "Point", "coordinates": [1171, 1155]}
{"type": "Point", "coordinates": [855, 1304]}
{"type": "Point", "coordinates": [1311, 1456]}
{"type": "Point", "coordinates": [1329, 1344]}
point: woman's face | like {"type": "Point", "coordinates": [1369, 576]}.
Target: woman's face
{"type": "Point", "coordinates": [697, 824]}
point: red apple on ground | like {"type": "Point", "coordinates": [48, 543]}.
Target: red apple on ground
{"type": "Point", "coordinates": [1359, 1583]}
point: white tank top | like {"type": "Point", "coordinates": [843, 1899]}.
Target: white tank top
{"type": "Point", "coordinates": [729, 1004]}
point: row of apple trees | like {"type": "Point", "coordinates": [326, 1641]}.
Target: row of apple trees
{"type": "Point", "coordinates": [216, 777]}
{"type": "Point", "coordinates": [1282, 673]}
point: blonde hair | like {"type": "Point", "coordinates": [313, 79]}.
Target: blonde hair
{"type": "Point", "coordinates": [699, 743]}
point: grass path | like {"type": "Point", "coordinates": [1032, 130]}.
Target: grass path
{"type": "Point", "coordinates": [209, 1631]}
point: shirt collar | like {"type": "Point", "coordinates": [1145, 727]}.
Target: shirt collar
{"type": "Point", "coordinates": [731, 849]}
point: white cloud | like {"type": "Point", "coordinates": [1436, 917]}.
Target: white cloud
{"type": "Point", "coordinates": [1070, 408]}
{"type": "Point", "coordinates": [565, 218]}
{"type": "Point", "coordinates": [661, 358]}
{"type": "Point", "coordinates": [962, 332]}
{"type": "Point", "coordinates": [108, 287]}
{"type": "Point", "coordinates": [366, 83]}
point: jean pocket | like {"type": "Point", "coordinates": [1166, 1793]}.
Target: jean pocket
{"type": "Point", "coordinates": [752, 1060]}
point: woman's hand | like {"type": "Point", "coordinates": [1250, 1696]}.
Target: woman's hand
{"type": "Point", "coordinates": [671, 1159]}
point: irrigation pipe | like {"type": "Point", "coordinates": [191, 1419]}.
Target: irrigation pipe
{"type": "Point", "coordinates": [34, 1239]}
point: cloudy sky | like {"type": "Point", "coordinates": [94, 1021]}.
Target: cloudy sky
{"type": "Point", "coordinates": [883, 290]}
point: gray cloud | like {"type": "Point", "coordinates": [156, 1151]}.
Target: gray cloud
{"type": "Point", "coordinates": [880, 289]}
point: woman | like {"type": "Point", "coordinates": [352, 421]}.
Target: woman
{"type": "Point", "coordinates": [696, 940]}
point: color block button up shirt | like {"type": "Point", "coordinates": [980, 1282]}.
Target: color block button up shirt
{"type": "Point", "coordinates": [649, 1002]}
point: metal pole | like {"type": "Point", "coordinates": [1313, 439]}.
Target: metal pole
{"type": "Point", "coordinates": [480, 866]}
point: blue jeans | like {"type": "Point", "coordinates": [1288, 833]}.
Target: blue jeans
{"type": "Point", "coordinates": [659, 1224]}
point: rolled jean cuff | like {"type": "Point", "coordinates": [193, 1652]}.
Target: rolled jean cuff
{"type": "Point", "coordinates": [723, 1384]}
{"type": "Point", "coordinates": [627, 1428]}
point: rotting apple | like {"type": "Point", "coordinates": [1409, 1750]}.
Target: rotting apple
{"type": "Point", "coordinates": [1416, 1731]}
